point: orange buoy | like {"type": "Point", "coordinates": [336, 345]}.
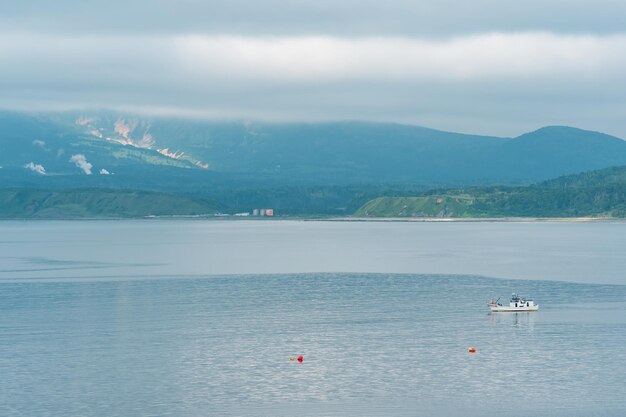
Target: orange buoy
{"type": "Point", "coordinates": [292, 359]}
{"type": "Point", "coordinates": [300, 358]}
{"type": "Point", "coordinates": [471, 349]}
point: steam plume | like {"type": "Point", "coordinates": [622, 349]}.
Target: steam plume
{"type": "Point", "coordinates": [81, 162]}
{"type": "Point", "coordinates": [39, 169]}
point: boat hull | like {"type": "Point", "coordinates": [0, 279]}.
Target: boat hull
{"type": "Point", "coordinates": [508, 309]}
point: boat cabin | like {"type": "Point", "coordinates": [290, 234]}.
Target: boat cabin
{"type": "Point", "coordinates": [517, 301]}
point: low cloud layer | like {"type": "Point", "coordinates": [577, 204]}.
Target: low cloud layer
{"type": "Point", "coordinates": [496, 83]}
{"type": "Point", "coordinates": [81, 162]}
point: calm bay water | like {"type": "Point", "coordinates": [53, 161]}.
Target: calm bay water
{"type": "Point", "coordinates": [197, 318]}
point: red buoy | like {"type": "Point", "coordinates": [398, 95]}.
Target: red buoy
{"type": "Point", "coordinates": [300, 358]}
{"type": "Point", "coordinates": [472, 349]}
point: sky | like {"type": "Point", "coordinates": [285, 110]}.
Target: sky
{"type": "Point", "coordinates": [492, 67]}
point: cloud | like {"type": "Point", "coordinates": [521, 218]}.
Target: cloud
{"type": "Point", "coordinates": [313, 17]}
{"type": "Point", "coordinates": [214, 63]}
{"type": "Point", "coordinates": [104, 172]}
{"type": "Point", "coordinates": [315, 59]}
{"type": "Point", "coordinates": [485, 66]}
{"type": "Point", "coordinates": [496, 83]}
{"type": "Point", "coordinates": [81, 162]}
{"type": "Point", "coordinates": [39, 169]}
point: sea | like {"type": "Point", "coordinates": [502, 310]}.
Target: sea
{"type": "Point", "coordinates": [184, 317]}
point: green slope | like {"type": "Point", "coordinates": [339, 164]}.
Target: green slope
{"type": "Point", "coordinates": [438, 205]}
{"type": "Point", "coordinates": [597, 194]}
{"type": "Point", "coordinates": [96, 203]}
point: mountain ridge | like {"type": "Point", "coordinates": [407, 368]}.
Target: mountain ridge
{"type": "Point", "coordinates": [250, 164]}
{"type": "Point", "coordinates": [341, 152]}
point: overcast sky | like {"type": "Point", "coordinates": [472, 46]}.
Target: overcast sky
{"type": "Point", "coordinates": [488, 66]}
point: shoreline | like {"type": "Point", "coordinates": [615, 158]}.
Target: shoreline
{"type": "Point", "coordinates": [345, 219]}
{"type": "Point", "coordinates": [481, 219]}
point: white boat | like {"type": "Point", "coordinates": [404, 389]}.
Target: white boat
{"type": "Point", "coordinates": [516, 303]}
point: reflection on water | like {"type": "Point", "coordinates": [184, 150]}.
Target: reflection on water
{"type": "Point", "coordinates": [373, 344]}
{"type": "Point", "coordinates": [521, 320]}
